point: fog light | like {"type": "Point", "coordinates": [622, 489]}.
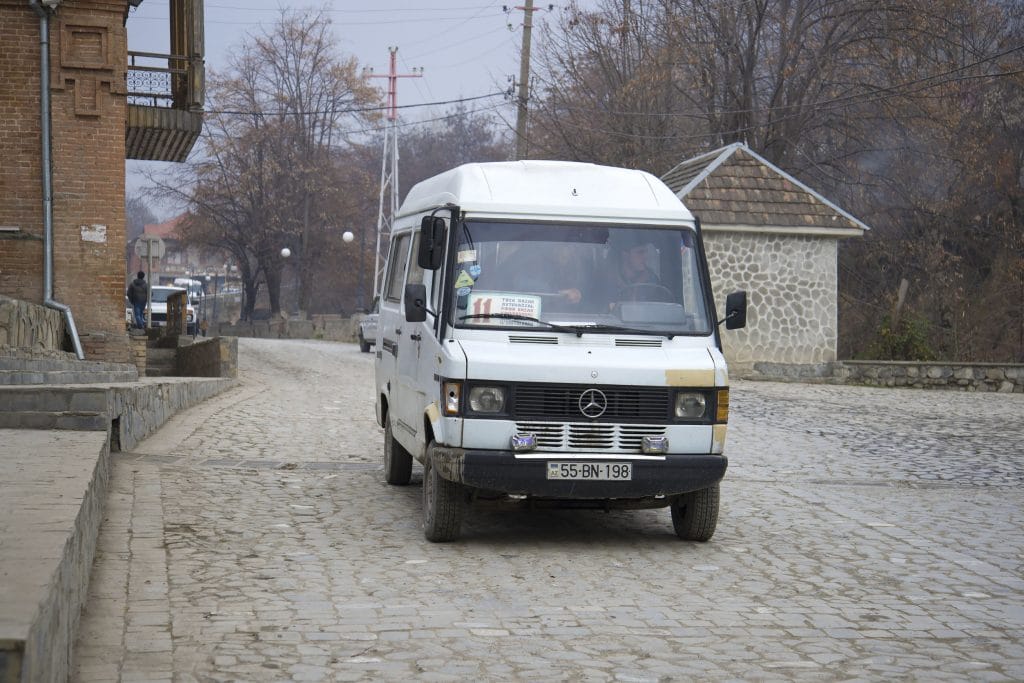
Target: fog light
{"type": "Point", "coordinates": [522, 443]}
{"type": "Point", "coordinates": [654, 445]}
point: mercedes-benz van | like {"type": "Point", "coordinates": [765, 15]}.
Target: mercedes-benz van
{"type": "Point", "coordinates": [547, 334]}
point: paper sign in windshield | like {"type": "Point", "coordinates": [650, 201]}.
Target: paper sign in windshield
{"type": "Point", "coordinates": [487, 303]}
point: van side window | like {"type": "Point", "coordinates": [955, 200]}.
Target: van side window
{"type": "Point", "coordinates": [415, 272]}
{"type": "Point", "coordinates": [396, 269]}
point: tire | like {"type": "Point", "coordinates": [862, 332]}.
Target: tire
{"type": "Point", "coordinates": [442, 506]}
{"type": "Point", "coordinates": [695, 514]}
{"type": "Point", "coordinates": [364, 345]}
{"type": "Point", "coordinates": [397, 460]}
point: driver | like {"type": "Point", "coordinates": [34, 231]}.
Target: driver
{"type": "Point", "coordinates": [630, 277]}
{"type": "Point", "coordinates": [633, 269]}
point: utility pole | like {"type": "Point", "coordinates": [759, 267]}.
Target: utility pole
{"type": "Point", "coordinates": [524, 75]}
{"type": "Point", "coordinates": [389, 162]}
{"type": "Point", "coordinates": [524, 81]}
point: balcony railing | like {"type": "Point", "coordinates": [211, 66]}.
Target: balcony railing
{"type": "Point", "coordinates": [159, 80]}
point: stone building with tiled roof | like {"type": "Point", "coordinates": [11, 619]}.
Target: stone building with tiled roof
{"type": "Point", "coordinates": [770, 234]}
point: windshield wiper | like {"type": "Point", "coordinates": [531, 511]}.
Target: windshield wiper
{"type": "Point", "coordinates": [578, 330]}
{"type": "Point", "coordinates": [512, 316]}
{"type": "Point", "coordinates": [597, 327]}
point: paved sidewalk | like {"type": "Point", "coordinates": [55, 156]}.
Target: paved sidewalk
{"type": "Point", "coordinates": [53, 485]}
{"type": "Point", "coordinates": [865, 534]}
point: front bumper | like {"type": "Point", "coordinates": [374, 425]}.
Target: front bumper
{"type": "Point", "coordinates": [502, 471]}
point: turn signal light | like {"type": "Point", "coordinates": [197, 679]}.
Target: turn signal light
{"type": "Point", "coordinates": [452, 397]}
{"type": "Point", "coordinates": [722, 406]}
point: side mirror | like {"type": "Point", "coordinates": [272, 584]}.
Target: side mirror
{"type": "Point", "coordinates": [415, 303]}
{"type": "Point", "coordinates": [431, 243]}
{"type": "Point", "coordinates": [736, 310]}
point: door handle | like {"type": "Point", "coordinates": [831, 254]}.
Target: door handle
{"type": "Point", "coordinates": [398, 331]}
{"type": "Point", "coordinates": [415, 336]}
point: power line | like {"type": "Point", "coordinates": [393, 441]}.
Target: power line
{"type": "Point", "coordinates": [360, 11]}
{"type": "Point", "coordinates": [875, 96]}
{"type": "Point", "coordinates": [409, 124]}
{"type": "Point", "coordinates": [868, 95]}
{"type": "Point", "coordinates": [380, 22]}
{"type": "Point", "coordinates": [356, 110]}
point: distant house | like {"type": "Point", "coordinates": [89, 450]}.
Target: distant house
{"type": "Point", "coordinates": [772, 235]}
{"type": "Point", "coordinates": [209, 265]}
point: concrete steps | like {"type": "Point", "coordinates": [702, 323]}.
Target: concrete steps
{"type": "Point", "coordinates": [68, 407]}
{"type": "Point", "coordinates": [161, 362]}
{"type": "Point", "coordinates": [47, 371]}
{"type": "Point", "coordinates": [52, 489]}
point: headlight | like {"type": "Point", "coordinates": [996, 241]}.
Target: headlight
{"type": "Point", "coordinates": [690, 405]}
{"type": "Point", "coordinates": [487, 399]}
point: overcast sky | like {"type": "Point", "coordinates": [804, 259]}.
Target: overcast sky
{"type": "Point", "coordinates": [465, 47]}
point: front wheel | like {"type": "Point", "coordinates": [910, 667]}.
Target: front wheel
{"type": "Point", "coordinates": [397, 460]}
{"type": "Point", "coordinates": [364, 345]}
{"type": "Point", "coordinates": [442, 506]}
{"type": "Point", "coordinates": [695, 514]}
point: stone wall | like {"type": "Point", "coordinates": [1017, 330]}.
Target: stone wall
{"type": "Point", "coordinates": [791, 285]}
{"type": "Point", "coordinates": [30, 328]}
{"type": "Point", "coordinates": [327, 327]}
{"type": "Point", "coordinates": [138, 344]}
{"type": "Point", "coordinates": [217, 357]}
{"type": "Point", "coordinates": [918, 375]}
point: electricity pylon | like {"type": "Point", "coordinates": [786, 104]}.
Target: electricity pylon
{"type": "Point", "coordinates": [388, 205]}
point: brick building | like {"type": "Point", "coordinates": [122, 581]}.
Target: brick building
{"type": "Point", "coordinates": [102, 105]}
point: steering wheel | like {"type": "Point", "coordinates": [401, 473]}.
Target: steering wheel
{"type": "Point", "coordinates": [654, 287]}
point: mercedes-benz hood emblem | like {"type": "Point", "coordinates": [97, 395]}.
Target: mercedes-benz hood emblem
{"type": "Point", "coordinates": [593, 403]}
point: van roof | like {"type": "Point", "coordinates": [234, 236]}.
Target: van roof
{"type": "Point", "coordinates": [549, 189]}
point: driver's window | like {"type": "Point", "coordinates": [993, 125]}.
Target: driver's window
{"type": "Point", "coordinates": [396, 269]}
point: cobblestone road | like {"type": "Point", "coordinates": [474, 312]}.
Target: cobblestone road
{"type": "Point", "coordinates": [865, 534]}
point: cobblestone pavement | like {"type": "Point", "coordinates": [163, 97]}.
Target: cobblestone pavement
{"type": "Point", "coordinates": [865, 534]}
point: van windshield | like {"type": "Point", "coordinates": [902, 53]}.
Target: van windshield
{"type": "Point", "coordinates": [628, 279]}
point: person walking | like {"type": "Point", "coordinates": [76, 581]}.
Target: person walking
{"type": "Point", "coordinates": [138, 294]}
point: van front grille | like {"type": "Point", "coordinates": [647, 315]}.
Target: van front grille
{"type": "Point", "coordinates": [570, 437]}
{"type": "Point", "coordinates": [566, 403]}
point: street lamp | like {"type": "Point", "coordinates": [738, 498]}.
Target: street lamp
{"type": "Point", "coordinates": [206, 302]}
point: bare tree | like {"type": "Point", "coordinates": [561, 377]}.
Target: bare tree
{"type": "Point", "coordinates": [280, 121]}
{"type": "Point", "coordinates": [906, 112]}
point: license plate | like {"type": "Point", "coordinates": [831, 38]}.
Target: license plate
{"type": "Point", "coordinates": [593, 471]}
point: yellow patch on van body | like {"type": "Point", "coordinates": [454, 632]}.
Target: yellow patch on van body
{"type": "Point", "coordinates": [704, 377]}
{"type": "Point", "coordinates": [718, 438]}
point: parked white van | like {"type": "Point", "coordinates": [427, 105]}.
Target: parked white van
{"type": "Point", "coordinates": [548, 334]}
